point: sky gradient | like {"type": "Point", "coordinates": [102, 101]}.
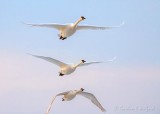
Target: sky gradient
{"type": "Point", "coordinates": [129, 85]}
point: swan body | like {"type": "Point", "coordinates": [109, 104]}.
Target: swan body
{"type": "Point", "coordinates": [69, 95]}
{"type": "Point", "coordinates": [70, 30]}
{"type": "Point", "coordinates": [66, 69]}
{"type": "Point", "coordinates": [67, 30]}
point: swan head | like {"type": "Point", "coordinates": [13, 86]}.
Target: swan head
{"type": "Point", "coordinates": [83, 18]}
{"type": "Point", "coordinates": [82, 89]}
{"type": "Point", "coordinates": [83, 61]}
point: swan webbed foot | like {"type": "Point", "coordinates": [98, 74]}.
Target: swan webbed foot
{"type": "Point", "coordinates": [62, 99]}
{"type": "Point", "coordinates": [60, 37]}
{"type": "Point", "coordinates": [60, 74]}
{"type": "Point", "coordinates": [64, 38]}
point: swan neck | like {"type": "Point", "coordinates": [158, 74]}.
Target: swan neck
{"type": "Point", "coordinates": [78, 64]}
{"type": "Point", "coordinates": [76, 23]}
{"type": "Point", "coordinates": [79, 91]}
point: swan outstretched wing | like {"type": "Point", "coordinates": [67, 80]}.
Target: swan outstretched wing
{"type": "Point", "coordinates": [52, 25]}
{"type": "Point", "coordinates": [93, 99]}
{"type": "Point", "coordinates": [88, 27]}
{"type": "Point", "coordinates": [51, 103]}
{"type": "Point", "coordinates": [114, 58]}
{"type": "Point", "coordinates": [63, 93]}
{"type": "Point", "coordinates": [89, 63]}
{"type": "Point", "coordinates": [49, 59]}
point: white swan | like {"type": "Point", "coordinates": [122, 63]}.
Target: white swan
{"type": "Point", "coordinates": [66, 69]}
{"type": "Point", "coordinates": [69, 95]}
{"type": "Point", "coordinates": [66, 30]}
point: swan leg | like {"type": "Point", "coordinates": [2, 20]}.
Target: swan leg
{"type": "Point", "coordinates": [62, 99]}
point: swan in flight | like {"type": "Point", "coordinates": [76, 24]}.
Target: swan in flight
{"type": "Point", "coordinates": [66, 69]}
{"type": "Point", "coordinates": [67, 30]}
{"type": "Point", "coordinates": [69, 95]}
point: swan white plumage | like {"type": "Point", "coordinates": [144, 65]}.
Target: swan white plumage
{"type": "Point", "coordinates": [67, 30]}
{"type": "Point", "coordinates": [69, 95]}
{"type": "Point", "coordinates": [66, 69]}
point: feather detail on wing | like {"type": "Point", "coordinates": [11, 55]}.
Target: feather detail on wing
{"type": "Point", "coordinates": [63, 93]}
{"type": "Point", "coordinates": [114, 58]}
{"type": "Point", "coordinates": [90, 27]}
{"type": "Point", "coordinates": [51, 103]}
{"type": "Point", "coordinates": [94, 62]}
{"type": "Point", "coordinates": [93, 99]}
{"type": "Point", "coordinates": [49, 59]}
{"type": "Point", "coordinates": [89, 63]}
{"type": "Point", "coordinates": [53, 25]}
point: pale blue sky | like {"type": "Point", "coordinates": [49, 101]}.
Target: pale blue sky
{"type": "Point", "coordinates": [131, 81]}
